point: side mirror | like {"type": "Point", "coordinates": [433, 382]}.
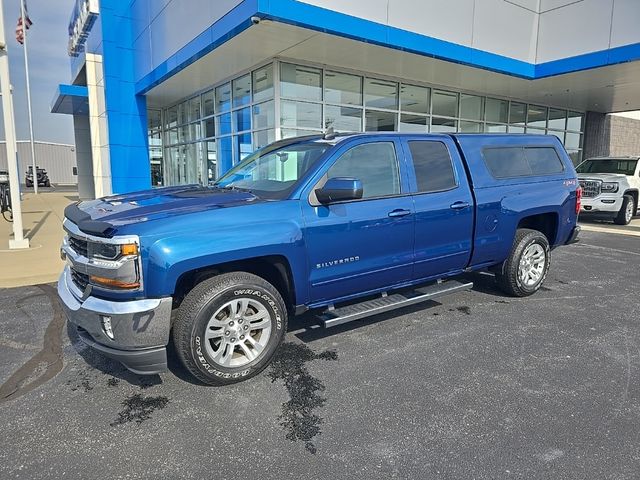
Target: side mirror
{"type": "Point", "coordinates": [339, 189]}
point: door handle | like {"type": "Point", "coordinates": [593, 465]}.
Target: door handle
{"type": "Point", "coordinates": [399, 212]}
{"type": "Point", "coordinates": [459, 205]}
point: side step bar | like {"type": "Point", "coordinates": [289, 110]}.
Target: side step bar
{"type": "Point", "coordinates": [349, 313]}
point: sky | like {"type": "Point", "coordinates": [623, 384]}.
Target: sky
{"type": "Point", "coordinates": [49, 66]}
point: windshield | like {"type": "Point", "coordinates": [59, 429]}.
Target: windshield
{"type": "Point", "coordinates": [608, 165]}
{"type": "Point", "coordinates": [273, 171]}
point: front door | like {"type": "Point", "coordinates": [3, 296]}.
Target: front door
{"type": "Point", "coordinates": [361, 245]}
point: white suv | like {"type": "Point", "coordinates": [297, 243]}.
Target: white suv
{"type": "Point", "coordinates": [610, 187]}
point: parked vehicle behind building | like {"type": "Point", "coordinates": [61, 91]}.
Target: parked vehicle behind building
{"type": "Point", "coordinates": [346, 226]}
{"type": "Point", "coordinates": [610, 187]}
{"type": "Point", "coordinates": [41, 176]}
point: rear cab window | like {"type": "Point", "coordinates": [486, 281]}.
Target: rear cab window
{"type": "Point", "coordinates": [522, 161]}
{"type": "Point", "coordinates": [433, 166]}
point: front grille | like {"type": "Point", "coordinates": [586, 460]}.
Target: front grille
{"type": "Point", "coordinates": [81, 280]}
{"type": "Point", "coordinates": [590, 188]}
{"type": "Point", "coordinates": [79, 245]}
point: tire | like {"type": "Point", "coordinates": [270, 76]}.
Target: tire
{"type": "Point", "coordinates": [532, 245]}
{"type": "Point", "coordinates": [47, 183]}
{"type": "Point", "coordinates": [28, 184]}
{"type": "Point", "coordinates": [627, 211]}
{"type": "Point", "coordinates": [207, 311]}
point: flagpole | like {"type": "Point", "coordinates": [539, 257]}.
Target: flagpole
{"type": "Point", "coordinates": [26, 72]}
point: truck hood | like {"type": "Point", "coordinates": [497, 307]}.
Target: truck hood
{"type": "Point", "coordinates": [605, 177]}
{"type": "Point", "coordinates": [102, 216]}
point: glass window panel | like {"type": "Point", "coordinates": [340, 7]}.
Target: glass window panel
{"type": "Point", "coordinates": [471, 106]}
{"type": "Point", "coordinates": [470, 127]}
{"type": "Point", "coordinates": [515, 129]}
{"type": "Point", "coordinates": [243, 146]}
{"type": "Point", "coordinates": [182, 116]}
{"type": "Point", "coordinates": [264, 115]}
{"type": "Point", "coordinates": [343, 119]}
{"type": "Point", "coordinates": [242, 119]}
{"type": "Point", "coordinates": [433, 167]}
{"type": "Point", "coordinates": [172, 136]}
{"type": "Point", "coordinates": [535, 131]}
{"type": "Point", "coordinates": [537, 116]}
{"type": "Point", "coordinates": [297, 132]}
{"type": "Point", "coordinates": [209, 126]}
{"type": "Point", "coordinates": [380, 93]}
{"type": "Point", "coordinates": [262, 138]}
{"type": "Point", "coordinates": [342, 88]}
{"type": "Point", "coordinates": [376, 121]}
{"type": "Point", "coordinates": [184, 134]}
{"type": "Point", "coordinates": [242, 91]}
{"type": "Point", "coordinates": [192, 162]}
{"type": "Point", "coordinates": [518, 113]}
{"type": "Point", "coordinates": [492, 128]}
{"type": "Point", "coordinates": [225, 154]}
{"type": "Point", "coordinates": [374, 164]}
{"type": "Point", "coordinates": [263, 83]}
{"type": "Point", "coordinates": [300, 82]}
{"type": "Point", "coordinates": [445, 103]}
{"type": "Point", "coordinates": [506, 162]}
{"type": "Point", "coordinates": [208, 101]}
{"type": "Point", "coordinates": [414, 123]}
{"type": "Point", "coordinates": [560, 135]}
{"type": "Point", "coordinates": [496, 110]}
{"type": "Point", "coordinates": [557, 119]}
{"type": "Point", "coordinates": [223, 97]}
{"type": "Point", "coordinates": [153, 119]}
{"type": "Point", "coordinates": [543, 160]}
{"type": "Point", "coordinates": [574, 121]}
{"type": "Point", "coordinates": [414, 99]}
{"type": "Point", "coordinates": [223, 124]}
{"type": "Point", "coordinates": [443, 125]}
{"type": "Point", "coordinates": [172, 116]}
{"type": "Point", "coordinates": [300, 114]}
{"type": "Point", "coordinates": [575, 156]}
{"type": "Point", "coordinates": [573, 141]}
{"type": "Point", "coordinates": [193, 109]}
{"type": "Point", "coordinates": [210, 160]}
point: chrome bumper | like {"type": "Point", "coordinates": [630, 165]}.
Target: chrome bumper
{"type": "Point", "coordinates": [140, 328]}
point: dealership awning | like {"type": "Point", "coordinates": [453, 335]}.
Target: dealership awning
{"type": "Point", "coordinates": [71, 99]}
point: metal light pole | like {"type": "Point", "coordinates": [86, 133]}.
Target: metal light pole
{"type": "Point", "coordinates": [26, 72]}
{"type": "Point", "coordinates": [10, 140]}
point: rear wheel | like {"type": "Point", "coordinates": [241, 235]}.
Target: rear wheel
{"type": "Point", "coordinates": [229, 327]}
{"type": "Point", "coordinates": [523, 273]}
{"type": "Point", "coordinates": [627, 211]}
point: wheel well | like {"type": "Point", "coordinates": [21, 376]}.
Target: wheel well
{"type": "Point", "coordinates": [546, 223]}
{"type": "Point", "coordinates": [275, 269]}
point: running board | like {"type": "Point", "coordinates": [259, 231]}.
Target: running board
{"type": "Point", "coordinates": [349, 313]}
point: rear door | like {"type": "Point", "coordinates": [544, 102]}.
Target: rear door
{"type": "Point", "coordinates": [444, 208]}
{"type": "Point", "coordinates": [361, 245]}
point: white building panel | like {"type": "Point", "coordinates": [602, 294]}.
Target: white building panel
{"type": "Point", "coordinates": [625, 29]}
{"type": "Point", "coordinates": [374, 10]}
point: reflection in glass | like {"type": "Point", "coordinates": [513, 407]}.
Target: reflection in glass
{"type": "Point", "coordinates": [557, 119]}
{"type": "Point", "coordinates": [518, 113]}
{"type": "Point", "coordinates": [223, 123]}
{"type": "Point", "coordinates": [471, 106]}
{"type": "Point", "coordinates": [209, 127]}
{"type": "Point", "coordinates": [516, 129]}
{"type": "Point", "coordinates": [262, 138]}
{"type": "Point", "coordinates": [380, 93]}
{"type": "Point", "coordinates": [573, 141]}
{"type": "Point", "coordinates": [297, 132]}
{"type": "Point", "coordinates": [376, 121]}
{"type": "Point", "coordinates": [491, 128]}
{"type": "Point", "coordinates": [223, 97]}
{"type": "Point", "coordinates": [225, 154]}
{"type": "Point", "coordinates": [300, 114]}
{"type": "Point", "coordinates": [300, 82]}
{"type": "Point", "coordinates": [208, 101]}
{"type": "Point", "coordinates": [242, 119]}
{"type": "Point", "coordinates": [414, 99]}
{"type": "Point", "coordinates": [443, 125]}
{"type": "Point", "coordinates": [537, 116]}
{"type": "Point", "coordinates": [263, 83]}
{"type": "Point", "coordinates": [193, 109]}
{"type": "Point", "coordinates": [574, 121]}
{"type": "Point", "coordinates": [242, 91]}
{"type": "Point", "coordinates": [243, 146]}
{"type": "Point", "coordinates": [342, 88]}
{"type": "Point", "coordinates": [343, 119]}
{"type": "Point", "coordinates": [211, 160]}
{"type": "Point", "coordinates": [470, 127]}
{"type": "Point", "coordinates": [445, 103]}
{"type": "Point", "coordinates": [414, 123]}
{"type": "Point", "coordinates": [264, 115]}
{"type": "Point", "coordinates": [496, 110]}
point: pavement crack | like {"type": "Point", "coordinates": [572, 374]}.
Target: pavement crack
{"type": "Point", "coordinates": [45, 364]}
{"type": "Point", "coordinates": [298, 416]}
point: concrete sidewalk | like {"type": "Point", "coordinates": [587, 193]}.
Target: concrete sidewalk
{"type": "Point", "coordinates": [42, 221]}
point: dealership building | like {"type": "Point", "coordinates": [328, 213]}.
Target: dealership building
{"type": "Point", "coordinates": [167, 92]}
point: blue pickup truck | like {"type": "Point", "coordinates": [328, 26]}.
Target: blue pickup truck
{"type": "Point", "coordinates": [345, 226]}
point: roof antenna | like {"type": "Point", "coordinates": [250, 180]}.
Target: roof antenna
{"type": "Point", "coordinates": [329, 134]}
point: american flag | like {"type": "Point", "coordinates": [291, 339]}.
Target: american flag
{"type": "Point", "coordinates": [22, 24]}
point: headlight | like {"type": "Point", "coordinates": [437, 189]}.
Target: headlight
{"type": "Point", "coordinates": [610, 187]}
{"type": "Point", "coordinates": [120, 261]}
{"type": "Point", "coordinates": [111, 251]}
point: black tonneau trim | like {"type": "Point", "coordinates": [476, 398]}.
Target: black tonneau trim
{"type": "Point", "coordinates": [84, 222]}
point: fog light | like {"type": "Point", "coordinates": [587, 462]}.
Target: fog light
{"type": "Point", "coordinates": [106, 326]}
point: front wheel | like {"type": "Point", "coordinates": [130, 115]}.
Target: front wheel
{"type": "Point", "coordinates": [627, 211]}
{"type": "Point", "coordinates": [526, 268]}
{"type": "Point", "coordinates": [229, 327]}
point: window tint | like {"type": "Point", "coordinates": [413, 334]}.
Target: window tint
{"type": "Point", "coordinates": [522, 161]}
{"type": "Point", "coordinates": [374, 164]}
{"type": "Point", "coordinates": [432, 163]}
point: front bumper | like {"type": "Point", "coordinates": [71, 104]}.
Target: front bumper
{"type": "Point", "coordinates": [604, 204]}
{"type": "Point", "coordinates": [140, 327]}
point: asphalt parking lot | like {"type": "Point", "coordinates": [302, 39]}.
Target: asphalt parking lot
{"type": "Point", "coordinates": [477, 386]}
